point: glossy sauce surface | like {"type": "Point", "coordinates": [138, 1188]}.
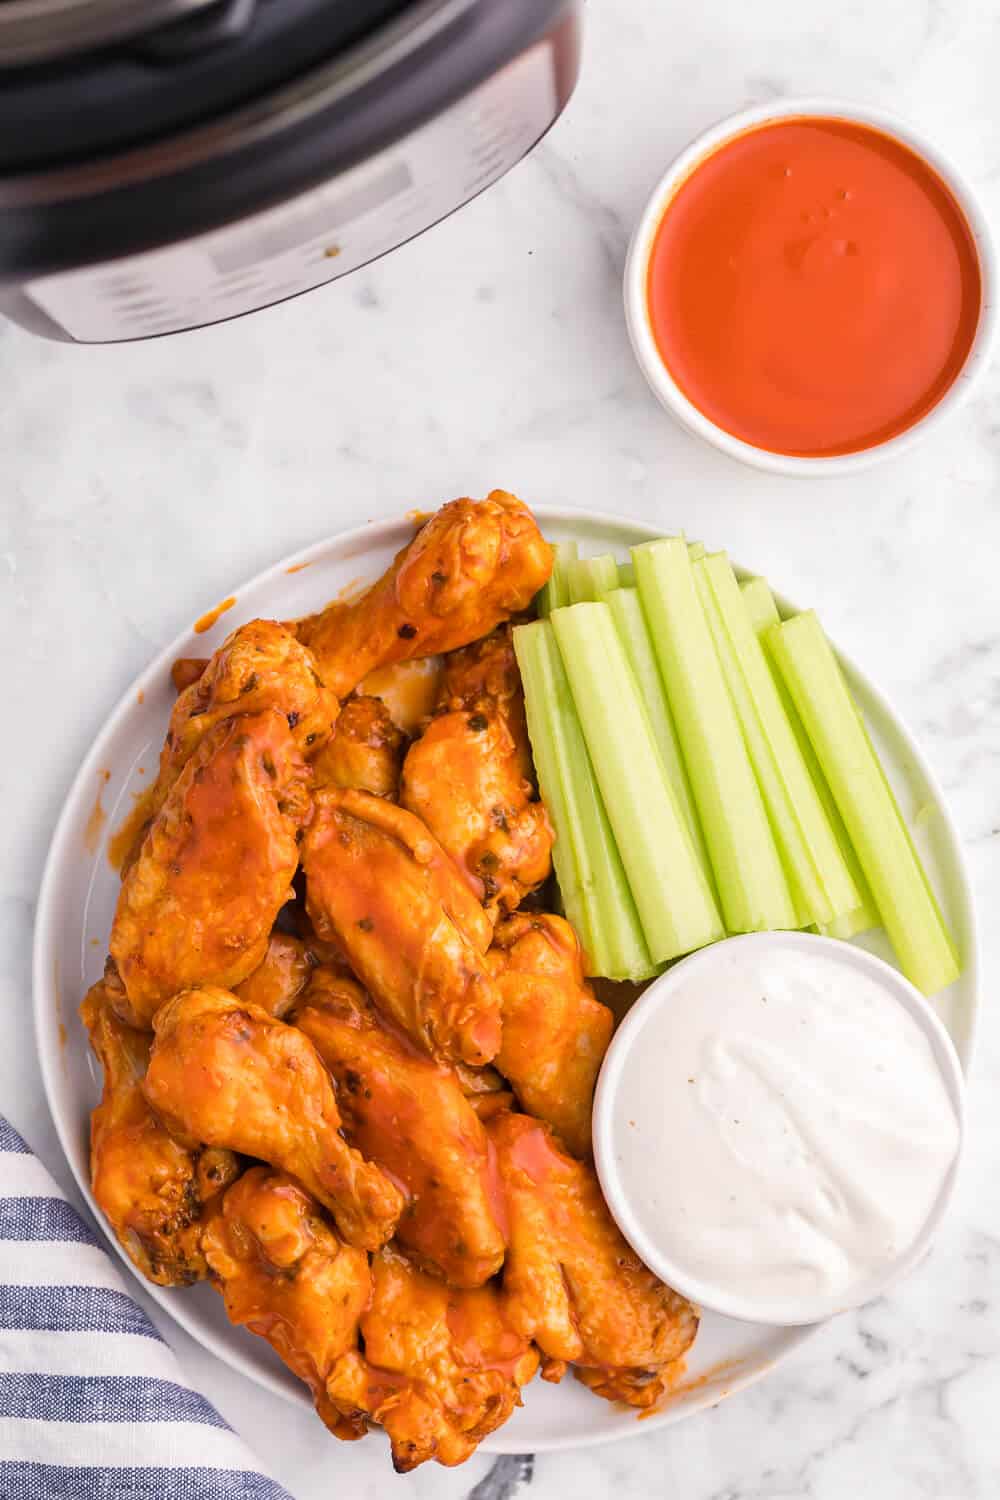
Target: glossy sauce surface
{"type": "Point", "coordinates": [814, 288]}
{"type": "Point", "coordinates": [781, 1127]}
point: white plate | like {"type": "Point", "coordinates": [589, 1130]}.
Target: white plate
{"type": "Point", "coordinates": [77, 899]}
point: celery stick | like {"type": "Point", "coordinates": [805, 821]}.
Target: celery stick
{"type": "Point", "coordinates": [555, 594]}
{"type": "Point", "coordinates": [696, 551]}
{"type": "Point", "coordinates": [672, 893]}
{"type": "Point", "coordinates": [763, 613]}
{"type": "Point", "coordinates": [745, 860]}
{"type": "Point", "coordinates": [626, 575]}
{"type": "Point", "coordinates": [595, 893]}
{"type": "Point", "coordinates": [630, 623]}
{"type": "Point", "coordinates": [816, 871]}
{"type": "Point", "coordinates": [862, 919]}
{"type": "Point", "coordinates": [589, 577]}
{"type": "Point", "coordinates": [760, 603]}
{"type": "Point", "coordinates": [888, 857]}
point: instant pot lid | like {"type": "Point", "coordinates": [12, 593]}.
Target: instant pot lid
{"type": "Point", "coordinates": [99, 75]}
{"type": "Point", "coordinates": [82, 205]}
{"type": "Point", "coordinates": [38, 30]}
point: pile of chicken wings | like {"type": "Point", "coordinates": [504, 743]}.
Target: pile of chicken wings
{"type": "Point", "coordinates": [348, 1057]}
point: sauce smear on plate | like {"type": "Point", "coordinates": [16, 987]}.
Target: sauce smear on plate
{"type": "Point", "coordinates": [814, 288]}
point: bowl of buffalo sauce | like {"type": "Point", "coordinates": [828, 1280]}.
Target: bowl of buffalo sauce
{"type": "Point", "coordinates": [811, 287]}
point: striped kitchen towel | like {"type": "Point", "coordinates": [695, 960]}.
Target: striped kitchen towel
{"type": "Point", "coordinates": [93, 1405]}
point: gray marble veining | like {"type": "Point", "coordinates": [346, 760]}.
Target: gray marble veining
{"type": "Point", "coordinates": [140, 483]}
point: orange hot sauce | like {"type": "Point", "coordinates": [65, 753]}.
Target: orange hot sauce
{"type": "Point", "coordinates": [814, 287]}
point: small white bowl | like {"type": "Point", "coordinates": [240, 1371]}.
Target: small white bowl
{"type": "Point", "coordinates": [651, 361]}
{"type": "Point", "coordinates": [790, 1311]}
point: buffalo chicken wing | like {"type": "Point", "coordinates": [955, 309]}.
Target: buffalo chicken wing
{"type": "Point", "coordinates": [555, 1033]}
{"type": "Point", "coordinates": [409, 1115]}
{"type": "Point", "coordinates": [261, 666]}
{"type": "Point", "coordinates": [381, 887]}
{"type": "Point", "coordinates": [227, 1073]}
{"type": "Point", "coordinates": [151, 1189]}
{"type": "Point", "coordinates": [475, 563]}
{"type": "Point", "coordinates": [469, 776]}
{"type": "Point", "coordinates": [441, 1369]}
{"type": "Point", "coordinates": [572, 1283]}
{"type": "Point", "coordinates": [284, 1274]}
{"type": "Point", "coordinates": [199, 901]}
{"type": "Point", "coordinates": [463, 778]}
{"type": "Point", "coordinates": [280, 977]}
{"type": "Point", "coordinates": [365, 752]}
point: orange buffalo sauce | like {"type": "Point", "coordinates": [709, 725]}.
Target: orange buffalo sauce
{"type": "Point", "coordinates": [814, 287]}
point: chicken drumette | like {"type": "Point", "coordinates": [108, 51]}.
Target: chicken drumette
{"type": "Point", "coordinates": [365, 752]}
{"type": "Point", "coordinates": [555, 1033]}
{"type": "Point", "coordinates": [381, 887]}
{"type": "Point", "coordinates": [200, 899]}
{"type": "Point", "coordinates": [260, 666]}
{"type": "Point", "coordinates": [468, 777]}
{"type": "Point", "coordinates": [151, 1189]}
{"type": "Point", "coordinates": [475, 563]}
{"type": "Point", "coordinates": [228, 1074]}
{"type": "Point", "coordinates": [572, 1283]}
{"type": "Point", "coordinates": [286, 1276]}
{"type": "Point", "coordinates": [281, 976]}
{"type": "Point", "coordinates": [441, 1369]}
{"type": "Point", "coordinates": [408, 1114]}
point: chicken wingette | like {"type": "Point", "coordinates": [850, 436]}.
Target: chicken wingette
{"type": "Point", "coordinates": [284, 1274]}
{"type": "Point", "coordinates": [442, 1367]}
{"type": "Point", "coordinates": [408, 1114]}
{"type": "Point", "coordinates": [199, 901]}
{"type": "Point", "coordinates": [571, 1282]}
{"type": "Point", "coordinates": [381, 887]}
{"type": "Point", "coordinates": [226, 1073]}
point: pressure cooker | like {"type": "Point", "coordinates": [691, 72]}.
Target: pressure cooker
{"type": "Point", "coordinates": [165, 164]}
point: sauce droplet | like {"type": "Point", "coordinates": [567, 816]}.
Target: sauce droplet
{"type": "Point", "coordinates": [97, 818]}
{"type": "Point", "coordinates": [211, 617]}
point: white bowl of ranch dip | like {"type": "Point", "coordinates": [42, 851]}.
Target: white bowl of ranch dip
{"type": "Point", "coordinates": [777, 1126]}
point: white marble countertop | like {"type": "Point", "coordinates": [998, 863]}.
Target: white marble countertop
{"type": "Point", "coordinates": [140, 483]}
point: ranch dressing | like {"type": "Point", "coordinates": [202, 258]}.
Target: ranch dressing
{"type": "Point", "coordinates": [781, 1127]}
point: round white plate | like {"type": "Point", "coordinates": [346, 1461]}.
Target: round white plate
{"type": "Point", "coordinates": [77, 900]}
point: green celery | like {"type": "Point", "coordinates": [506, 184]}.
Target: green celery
{"type": "Point", "coordinates": [630, 622]}
{"type": "Point", "coordinates": [590, 577]}
{"type": "Point", "coordinates": [862, 919]}
{"type": "Point", "coordinates": [817, 873]}
{"type": "Point", "coordinates": [595, 893]}
{"type": "Point", "coordinates": [671, 889]}
{"type": "Point", "coordinates": [696, 551]}
{"type": "Point", "coordinates": [748, 874]}
{"type": "Point", "coordinates": [626, 575]}
{"type": "Point", "coordinates": [759, 600]}
{"type": "Point", "coordinates": [555, 594]}
{"type": "Point", "coordinates": [858, 782]}
{"type": "Point", "coordinates": [763, 614]}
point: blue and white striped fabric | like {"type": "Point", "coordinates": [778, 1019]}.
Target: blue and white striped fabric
{"type": "Point", "coordinates": [93, 1405]}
